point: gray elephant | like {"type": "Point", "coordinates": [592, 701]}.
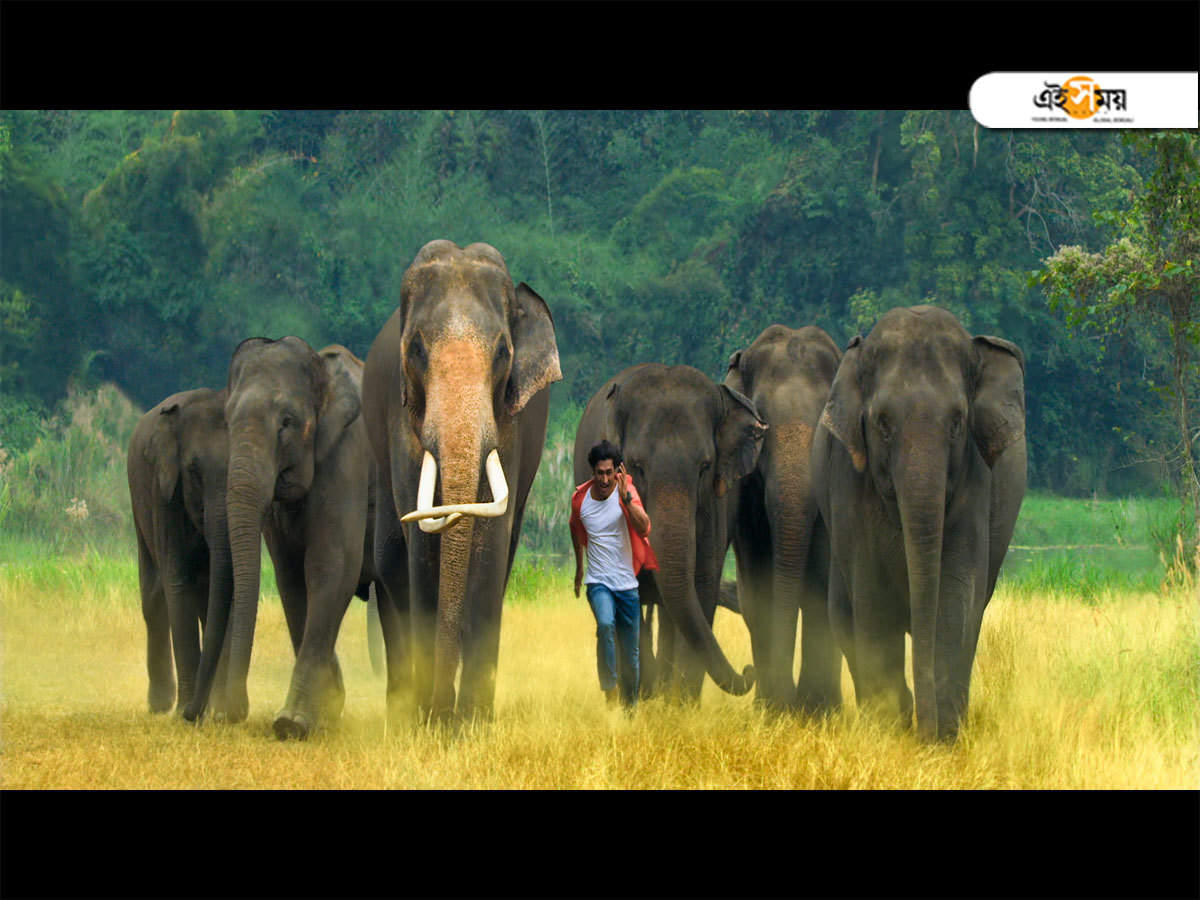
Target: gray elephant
{"type": "Point", "coordinates": [780, 541]}
{"type": "Point", "coordinates": [300, 477]}
{"type": "Point", "coordinates": [919, 462]}
{"type": "Point", "coordinates": [455, 393]}
{"type": "Point", "coordinates": [685, 441]}
{"type": "Point", "coordinates": [176, 466]}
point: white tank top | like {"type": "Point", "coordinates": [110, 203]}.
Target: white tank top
{"type": "Point", "coordinates": [609, 554]}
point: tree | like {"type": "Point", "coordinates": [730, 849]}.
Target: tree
{"type": "Point", "coordinates": [1149, 275]}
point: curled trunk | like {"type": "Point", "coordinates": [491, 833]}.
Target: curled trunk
{"type": "Point", "coordinates": [676, 552]}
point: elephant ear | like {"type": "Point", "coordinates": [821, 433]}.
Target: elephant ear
{"type": "Point", "coordinates": [163, 451]}
{"type": "Point", "coordinates": [339, 407]}
{"type": "Point", "coordinates": [535, 350]}
{"type": "Point", "coordinates": [739, 436]}
{"type": "Point", "coordinates": [998, 412]}
{"type": "Point", "coordinates": [733, 374]}
{"type": "Point", "coordinates": [843, 410]}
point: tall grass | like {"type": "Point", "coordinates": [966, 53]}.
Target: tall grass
{"type": "Point", "coordinates": [1064, 696]}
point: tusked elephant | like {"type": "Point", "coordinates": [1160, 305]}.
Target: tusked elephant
{"type": "Point", "coordinates": [779, 539]}
{"type": "Point", "coordinates": [920, 463]}
{"type": "Point", "coordinates": [299, 477]}
{"type": "Point", "coordinates": [176, 466]}
{"type": "Point", "coordinates": [685, 441]}
{"type": "Point", "coordinates": [455, 393]}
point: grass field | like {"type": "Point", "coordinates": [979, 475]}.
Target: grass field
{"type": "Point", "coordinates": [1066, 694]}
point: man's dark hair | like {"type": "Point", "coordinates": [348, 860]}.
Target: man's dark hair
{"type": "Point", "coordinates": [604, 450]}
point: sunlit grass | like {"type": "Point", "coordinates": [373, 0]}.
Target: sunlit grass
{"type": "Point", "coordinates": [1065, 695]}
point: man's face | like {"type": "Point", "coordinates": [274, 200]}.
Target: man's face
{"type": "Point", "coordinates": [605, 474]}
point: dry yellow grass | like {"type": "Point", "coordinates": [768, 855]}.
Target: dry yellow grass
{"type": "Point", "coordinates": [1065, 695]}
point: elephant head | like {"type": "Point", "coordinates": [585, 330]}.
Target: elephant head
{"type": "Point", "coordinates": [925, 412]}
{"type": "Point", "coordinates": [446, 380]}
{"type": "Point", "coordinates": [287, 408]}
{"type": "Point", "coordinates": [685, 441]}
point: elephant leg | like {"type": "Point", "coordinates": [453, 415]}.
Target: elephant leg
{"type": "Point", "coordinates": [216, 703]}
{"type": "Point", "coordinates": [819, 687]}
{"type": "Point", "coordinates": [650, 682]}
{"type": "Point", "coordinates": [391, 564]}
{"type": "Point", "coordinates": [398, 654]}
{"type": "Point", "coordinates": [841, 620]}
{"type": "Point", "coordinates": [481, 654]}
{"type": "Point", "coordinates": [879, 649]}
{"type": "Point", "coordinates": [755, 597]}
{"type": "Point", "coordinates": [647, 664]}
{"type": "Point", "coordinates": [317, 693]}
{"type": "Point", "coordinates": [159, 667]}
{"type": "Point", "coordinates": [668, 673]}
{"type": "Point", "coordinates": [293, 595]}
{"type": "Point", "coordinates": [423, 598]}
{"type": "Point", "coordinates": [185, 600]}
{"type": "Point", "coordinates": [375, 632]}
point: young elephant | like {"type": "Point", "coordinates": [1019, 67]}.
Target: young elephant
{"type": "Point", "coordinates": [780, 541]}
{"type": "Point", "coordinates": [455, 391]}
{"type": "Point", "coordinates": [919, 462]}
{"type": "Point", "coordinates": [300, 478]}
{"type": "Point", "coordinates": [176, 466]}
{"type": "Point", "coordinates": [685, 441]}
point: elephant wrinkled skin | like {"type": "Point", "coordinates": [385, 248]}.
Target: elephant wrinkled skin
{"type": "Point", "coordinates": [685, 441]}
{"type": "Point", "coordinates": [780, 541]}
{"type": "Point", "coordinates": [455, 393]}
{"type": "Point", "coordinates": [919, 462]}
{"type": "Point", "coordinates": [176, 466]}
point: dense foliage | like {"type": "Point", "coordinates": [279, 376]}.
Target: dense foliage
{"type": "Point", "coordinates": [141, 246]}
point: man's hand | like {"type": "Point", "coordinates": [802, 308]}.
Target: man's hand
{"type": "Point", "coordinates": [623, 484]}
{"type": "Point", "coordinates": [578, 580]}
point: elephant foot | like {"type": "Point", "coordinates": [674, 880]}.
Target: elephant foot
{"type": "Point", "coordinates": [161, 698]}
{"type": "Point", "coordinates": [816, 703]}
{"type": "Point", "coordinates": [291, 726]}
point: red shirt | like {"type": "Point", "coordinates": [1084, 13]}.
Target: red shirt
{"type": "Point", "coordinates": [643, 555]}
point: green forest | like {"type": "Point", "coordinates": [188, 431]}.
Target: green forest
{"type": "Point", "coordinates": [138, 247]}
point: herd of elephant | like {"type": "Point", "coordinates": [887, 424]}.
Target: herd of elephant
{"type": "Point", "coordinates": [867, 494]}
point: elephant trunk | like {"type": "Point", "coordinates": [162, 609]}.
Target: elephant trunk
{"type": "Point", "coordinates": [674, 539]}
{"type": "Point", "coordinates": [460, 424]}
{"type": "Point", "coordinates": [921, 500]}
{"type": "Point", "coordinates": [250, 490]}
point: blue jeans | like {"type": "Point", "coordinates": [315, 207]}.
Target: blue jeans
{"type": "Point", "coordinates": [618, 619]}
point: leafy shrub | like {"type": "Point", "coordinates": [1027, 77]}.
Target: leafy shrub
{"type": "Point", "coordinates": [70, 485]}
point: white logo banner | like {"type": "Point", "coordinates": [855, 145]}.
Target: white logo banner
{"type": "Point", "coordinates": [1072, 99]}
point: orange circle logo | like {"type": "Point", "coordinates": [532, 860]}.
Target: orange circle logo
{"type": "Point", "coordinates": [1080, 99]}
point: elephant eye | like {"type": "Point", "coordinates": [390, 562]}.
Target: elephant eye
{"type": "Point", "coordinates": [501, 352]}
{"type": "Point", "coordinates": [416, 350]}
{"type": "Point", "coordinates": [884, 426]}
{"type": "Point", "coordinates": [956, 425]}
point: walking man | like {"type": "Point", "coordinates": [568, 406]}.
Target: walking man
{"type": "Point", "coordinates": [607, 517]}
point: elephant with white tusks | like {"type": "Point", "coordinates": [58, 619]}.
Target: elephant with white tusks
{"type": "Point", "coordinates": [919, 462]}
{"type": "Point", "coordinates": [456, 401]}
